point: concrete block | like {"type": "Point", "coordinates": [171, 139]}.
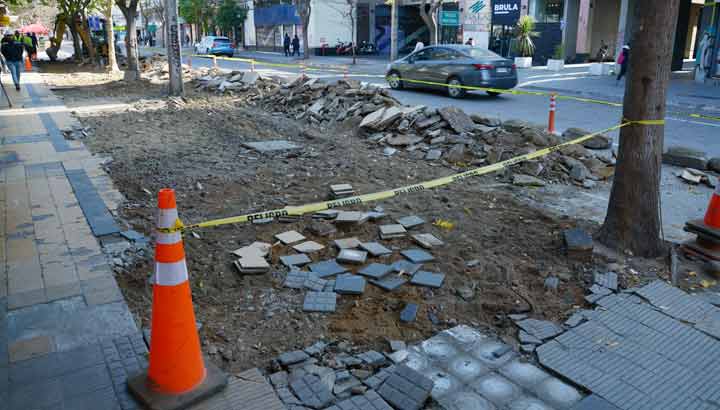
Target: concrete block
{"type": "Point", "coordinates": [320, 302]}
{"type": "Point", "coordinates": [392, 231]}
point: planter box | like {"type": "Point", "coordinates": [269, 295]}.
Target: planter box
{"type": "Point", "coordinates": [523, 62]}
{"type": "Point", "coordinates": [555, 65]}
{"type": "Point", "coordinates": [601, 68]}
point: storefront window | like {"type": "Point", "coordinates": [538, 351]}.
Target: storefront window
{"type": "Point", "coordinates": [546, 11]}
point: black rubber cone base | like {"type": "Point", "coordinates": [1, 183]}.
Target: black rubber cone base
{"type": "Point", "coordinates": [139, 385]}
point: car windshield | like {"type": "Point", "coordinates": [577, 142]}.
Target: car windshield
{"type": "Point", "coordinates": [480, 53]}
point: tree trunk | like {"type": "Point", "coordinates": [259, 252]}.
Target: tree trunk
{"type": "Point", "coordinates": [77, 48]}
{"type": "Point", "coordinates": [133, 70]}
{"type": "Point", "coordinates": [112, 66]}
{"type": "Point", "coordinates": [633, 220]}
{"type": "Point", "coordinates": [173, 48]}
{"type": "Point", "coordinates": [394, 30]}
{"type": "Point", "coordinates": [84, 31]}
{"type": "Point", "coordinates": [430, 18]}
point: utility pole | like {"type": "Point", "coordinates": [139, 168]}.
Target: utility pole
{"type": "Point", "coordinates": [394, 30]}
{"type": "Point", "coordinates": [172, 31]}
{"type": "Point", "coordinates": [633, 221]}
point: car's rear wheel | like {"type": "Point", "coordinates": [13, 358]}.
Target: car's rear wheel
{"type": "Point", "coordinates": [394, 81]}
{"type": "Point", "coordinates": [493, 93]}
{"type": "Point", "coordinates": [454, 88]}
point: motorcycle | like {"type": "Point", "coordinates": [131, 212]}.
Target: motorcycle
{"type": "Point", "coordinates": [366, 48]}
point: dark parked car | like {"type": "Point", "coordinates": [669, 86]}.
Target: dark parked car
{"type": "Point", "coordinates": [452, 65]}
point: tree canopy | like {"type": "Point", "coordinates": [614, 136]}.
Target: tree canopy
{"type": "Point", "coordinates": [229, 15]}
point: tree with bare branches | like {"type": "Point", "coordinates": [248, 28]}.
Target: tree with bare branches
{"type": "Point", "coordinates": [428, 13]}
{"type": "Point", "coordinates": [129, 9]}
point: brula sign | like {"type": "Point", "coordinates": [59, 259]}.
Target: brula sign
{"type": "Point", "coordinates": [505, 12]}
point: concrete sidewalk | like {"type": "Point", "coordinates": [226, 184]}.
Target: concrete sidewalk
{"type": "Point", "coordinates": [67, 338]}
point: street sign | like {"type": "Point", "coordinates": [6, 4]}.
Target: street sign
{"type": "Point", "coordinates": [4, 20]}
{"type": "Point", "coordinates": [505, 12]}
{"type": "Point", "coordinates": [450, 18]}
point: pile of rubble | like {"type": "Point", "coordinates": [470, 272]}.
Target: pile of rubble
{"type": "Point", "coordinates": [459, 368]}
{"type": "Point", "coordinates": [447, 134]}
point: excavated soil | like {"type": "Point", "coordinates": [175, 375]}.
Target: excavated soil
{"type": "Point", "coordinates": [196, 148]}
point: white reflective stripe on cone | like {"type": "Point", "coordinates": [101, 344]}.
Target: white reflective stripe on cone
{"type": "Point", "coordinates": [170, 274]}
{"type": "Point", "coordinates": [167, 217]}
{"type": "Point", "coordinates": [169, 238]}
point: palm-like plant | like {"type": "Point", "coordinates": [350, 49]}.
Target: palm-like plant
{"type": "Point", "coordinates": [524, 33]}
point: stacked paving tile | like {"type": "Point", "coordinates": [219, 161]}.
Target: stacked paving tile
{"type": "Point", "coordinates": [457, 369]}
{"type": "Point", "coordinates": [357, 263]}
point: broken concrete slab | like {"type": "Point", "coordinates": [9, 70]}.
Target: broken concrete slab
{"type": "Point", "coordinates": [351, 217]}
{"type": "Point", "coordinates": [433, 154]}
{"type": "Point", "coordinates": [406, 389]}
{"type": "Point", "coordinates": [347, 243]}
{"type": "Point", "coordinates": [527, 180]}
{"type": "Point", "coordinates": [405, 266]}
{"type": "Point", "coordinates": [607, 280]}
{"type": "Point", "coordinates": [411, 221]}
{"type": "Point", "coordinates": [542, 329]}
{"type": "Point", "coordinates": [685, 157]}
{"type": "Point", "coordinates": [372, 358]}
{"type": "Point", "coordinates": [312, 391]}
{"type": "Point", "coordinates": [261, 249]}
{"type": "Point", "coordinates": [457, 119]}
{"type": "Point", "coordinates": [265, 147]}
{"type": "Point", "coordinates": [293, 357]}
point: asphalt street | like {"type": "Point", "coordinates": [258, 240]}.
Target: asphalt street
{"type": "Point", "coordinates": [680, 129]}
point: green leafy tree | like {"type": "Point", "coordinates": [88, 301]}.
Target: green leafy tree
{"type": "Point", "coordinates": [229, 15]}
{"type": "Point", "coordinates": [195, 12]}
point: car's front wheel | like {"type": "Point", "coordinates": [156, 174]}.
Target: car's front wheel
{"type": "Point", "coordinates": [394, 81]}
{"type": "Point", "coordinates": [455, 89]}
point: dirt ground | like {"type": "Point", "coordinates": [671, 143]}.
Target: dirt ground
{"type": "Point", "coordinates": [196, 148]}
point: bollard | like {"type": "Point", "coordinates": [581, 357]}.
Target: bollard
{"type": "Point", "coordinates": [214, 62]}
{"type": "Point", "coordinates": [551, 116]}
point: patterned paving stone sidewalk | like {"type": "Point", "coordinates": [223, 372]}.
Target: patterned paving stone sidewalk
{"type": "Point", "coordinates": [67, 338]}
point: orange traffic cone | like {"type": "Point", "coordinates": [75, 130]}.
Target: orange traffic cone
{"type": "Point", "coordinates": [177, 375]}
{"type": "Point", "coordinates": [712, 216]}
{"type": "Point", "coordinates": [28, 64]}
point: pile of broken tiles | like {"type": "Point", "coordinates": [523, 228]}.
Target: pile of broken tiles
{"type": "Point", "coordinates": [457, 369]}
{"type": "Point", "coordinates": [356, 262]}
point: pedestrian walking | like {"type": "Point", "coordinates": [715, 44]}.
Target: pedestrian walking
{"type": "Point", "coordinates": [12, 49]}
{"type": "Point", "coordinates": [34, 41]}
{"type": "Point", "coordinates": [623, 60]}
{"type": "Point", "coordinates": [296, 45]}
{"type": "Point", "coordinates": [286, 45]}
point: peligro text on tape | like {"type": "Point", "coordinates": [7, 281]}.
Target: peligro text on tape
{"type": "Point", "coordinates": [409, 189]}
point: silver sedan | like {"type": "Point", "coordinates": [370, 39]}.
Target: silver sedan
{"type": "Point", "coordinates": [452, 66]}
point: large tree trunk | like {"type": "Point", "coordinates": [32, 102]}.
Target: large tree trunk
{"type": "Point", "coordinates": [84, 31]}
{"type": "Point", "coordinates": [430, 18]}
{"type": "Point", "coordinates": [112, 66]}
{"type": "Point", "coordinates": [633, 220]}
{"type": "Point", "coordinates": [129, 10]}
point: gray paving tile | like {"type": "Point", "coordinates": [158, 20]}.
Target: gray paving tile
{"type": "Point", "coordinates": [368, 401]}
{"type": "Point", "coordinates": [541, 329]}
{"type": "Point", "coordinates": [98, 217]}
{"type": "Point", "coordinates": [429, 279]}
{"type": "Point", "coordinates": [86, 380]}
{"type": "Point", "coordinates": [314, 283]}
{"type": "Point", "coordinates": [411, 221]}
{"type": "Point", "coordinates": [350, 284]}
{"type": "Point", "coordinates": [375, 270]}
{"type": "Point", "coordinates": [378, 378]}
{"type": "Point", "coordinates": [389, 282]}
{"type": "Point", "coordinates": [292, 261]}
{"type": "Point", "coordinates": [607, 280]}
{"type": "Point", "coordinates": [372, 358]}
{"type": "Point", "coordinates": [406, 389]}
{"type": "Point", "coordinates": [295, 279]}
{"type": "Point", "coordinates": [405, 266]}
{"type": "Point", "coordinates": [417, 255]}
{"type": "Point", "coordinates": [311, 391]}
{"type": "Point", "coordinates": [320, 302]}
{"type": "Point", "coordinates": [45, 393]}
{"type": "Point", "coordinates": [352, 256]}
{"type": "Point", "coordinates": [327, 268]}
{"type": "Point", "coordinates": [409, 313]}
{"type": "Point", "coordinates": [375, 248]}
{"type": "Point", "coordinates": [25, 299]}
{"type": "Point", "coordinates": [293, 357]}
{"type": "Point", "coordinates": [98, 399]}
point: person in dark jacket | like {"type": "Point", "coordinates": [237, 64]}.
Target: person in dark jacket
{"type": "Point", "coordinates": [296, 45]}
{"type": "Point", "coordinates": [286, 45]}
{"type": "Point", "coordinates": [12, 50]}
{"type": "Point", "coordinates": [34, 40]}
{"type": "Point", "coordinates": [623, 60]}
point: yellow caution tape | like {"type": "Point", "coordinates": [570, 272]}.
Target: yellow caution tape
{"type": "Point", "coordinates": [409, 189]}
{"type": "Point", "coordinates": [465, 87]}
